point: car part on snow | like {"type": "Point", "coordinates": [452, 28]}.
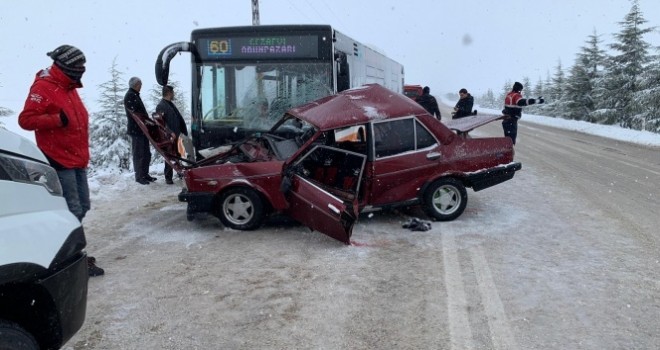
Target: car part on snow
{"type": "Point", "coordinates": [416, 224]}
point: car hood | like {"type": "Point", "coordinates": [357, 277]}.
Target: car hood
{"type": "Point", "coordinates": [15, 143]}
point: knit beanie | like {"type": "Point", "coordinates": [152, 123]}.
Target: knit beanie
{"type": "Point", "coordinates": [517, 87]}
{"type": "Point", "coordinates": [70, 60]}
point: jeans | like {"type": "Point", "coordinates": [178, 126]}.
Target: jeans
{"type": "Point", "coordinates": [76, 190]}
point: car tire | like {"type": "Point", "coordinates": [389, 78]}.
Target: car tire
{"type": "Point", "coordinates": [241, 209]}
{"type": "Point", "coordinates": [13, 336]}
{"type": "Point", "coordinates": [445, 199]}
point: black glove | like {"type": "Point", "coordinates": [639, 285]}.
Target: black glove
{"type": "Point", "coordinates": [531, 101]}
{"type": "Point", "coordinates": [540, 100]}
{"type": "Point", "coordinates": [64, 119]}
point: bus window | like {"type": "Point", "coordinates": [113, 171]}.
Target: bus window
{"type": "Point", "coordinates": [255, 96]}
{"type": "Point", "coordinates": [212, 94]}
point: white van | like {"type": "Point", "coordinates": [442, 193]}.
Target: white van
{"type": "Point", "coordinates": [43, 265]}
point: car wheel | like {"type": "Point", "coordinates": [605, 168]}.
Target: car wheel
{"type": "Point", "coordinates": [12, 336]}
{"type": "Point", "coordinates": [241, 209]}
{"type": "Point", "coordinates": [445, 199]}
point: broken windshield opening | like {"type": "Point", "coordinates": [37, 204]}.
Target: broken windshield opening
{"type": "Point", "coordinates": [255, 96]}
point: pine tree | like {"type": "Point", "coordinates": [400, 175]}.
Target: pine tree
{"type": "Point", "coordinates": [488, 100]}
{"type": "Point", "coordinates": [535, 90]}
{"type": "Point", "coordinates": [649, 97]}
{"type": "Point", "coordinates": [581, 85]}
{"type": "Point", "coordinates": [110, 145]}
{"type": "Point", "coordinates": [578, 91]}
{"type": "Point", "coordinates": [527, 87]}
{"type": "Point", "coordinates": [180, 98]}
{"type": "Point", "coordinates": [556, 93]}
{"type": "Point", "coordinates": [546, 86]}
{"type": "Point", "coordinates": [622, 83]}
{"type": "Point", "coordinates": [594, 55]}
{"type": "Point", "coordinates": [539, 89]}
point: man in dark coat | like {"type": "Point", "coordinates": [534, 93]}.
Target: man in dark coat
{"type": "Point", "coordinates": [513, 104]}
{"type": "Point", "coordinates": [173, 120]}
{"type": "Point", "coordinates": [429, 103]}
{"type": "Point", "coordinates": [139, 142]}
{"type": "Point", "coordinates": [464, 105]}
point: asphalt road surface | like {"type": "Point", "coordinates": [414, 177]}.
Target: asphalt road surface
{"type": "Point", "coordinates": [564, 256]}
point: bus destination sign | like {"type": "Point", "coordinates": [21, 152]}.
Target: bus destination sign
{"type": "Point", "coordinates": [288, 46]}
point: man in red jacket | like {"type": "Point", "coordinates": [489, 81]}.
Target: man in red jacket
{"type": "Point", "coordinates": [56, 114]}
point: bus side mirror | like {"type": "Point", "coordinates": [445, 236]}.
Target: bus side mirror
{"type": "Point", "coordinates": [165, 56]}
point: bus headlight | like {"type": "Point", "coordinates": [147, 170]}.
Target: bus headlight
{"type": "Point", "coordinates": [31, 172]}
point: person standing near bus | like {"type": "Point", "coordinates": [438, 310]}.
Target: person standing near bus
{"type": "Point", "coordinates": [464, 105]}
{"type": "Point", "coordinates": [139, 142]}
{"type": "Point", "coordinates": [59, 119]}
{"type": "Point", "coordinates": [429, 102]}
{"type": "Point", "coordinates": [513, 104]}
{"type": "Point", "coordinates": [174, 122]}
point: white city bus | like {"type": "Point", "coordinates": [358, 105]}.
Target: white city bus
{"type": "Point", "coordinates": [245, 78]}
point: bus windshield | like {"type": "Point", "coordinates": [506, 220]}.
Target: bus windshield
{"type": "Point", "coordinates": [255, 96]}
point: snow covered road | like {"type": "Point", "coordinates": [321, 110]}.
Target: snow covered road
{"type": "Point", "coordinates": [564, 256]}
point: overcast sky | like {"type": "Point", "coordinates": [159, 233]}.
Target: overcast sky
{"type": "Point", "coordinates": [446, 45]}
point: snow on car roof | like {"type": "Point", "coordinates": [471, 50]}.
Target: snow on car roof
{"type": "Point", "coordinates": [356, 106]}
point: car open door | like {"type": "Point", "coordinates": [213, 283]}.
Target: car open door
{"type": "Point", "coordinates": [322, 190]}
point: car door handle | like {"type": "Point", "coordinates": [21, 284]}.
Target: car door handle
{"type": "Point", "coordinates": [334, 209]}
{"type": "Point", "coordinates": [433, 155]}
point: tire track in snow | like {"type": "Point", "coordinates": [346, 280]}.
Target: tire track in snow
{"type": "Point", "coordinates": [460, 332]}
{"type": "Point", "coordinates": [460, 329]}
{"type": "Point", "coordinates": [500, 329]}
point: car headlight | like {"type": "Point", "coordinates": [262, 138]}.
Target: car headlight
{"type": "Point", "coordinates": [31, 172]}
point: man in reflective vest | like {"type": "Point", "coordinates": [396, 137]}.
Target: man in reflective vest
{"type": "Point", "coordinates": [513, 104]}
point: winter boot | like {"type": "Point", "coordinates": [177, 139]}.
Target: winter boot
{"type": "Point", "coordinates": [92, 269]}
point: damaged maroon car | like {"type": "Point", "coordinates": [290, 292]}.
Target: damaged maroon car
{"type": "Point", "coordinates": [327, 161]}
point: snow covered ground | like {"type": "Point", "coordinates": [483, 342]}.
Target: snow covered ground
{"type": "Point", "coordinates": [551, 259]}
